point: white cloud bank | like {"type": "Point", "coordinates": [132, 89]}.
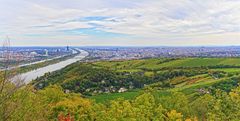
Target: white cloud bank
{"type": "Point", "coordinates": [121, 22]}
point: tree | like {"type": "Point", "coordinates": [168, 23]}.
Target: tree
{"type": "Point", "coordinates": [9, 85]}
{"type": "Point", "coordinates": [176, 101]}
{"type": "Point", "coordinates": [173, 115]}
{"type": "Point", "coordinates": [201, 106]}
{"type": "Point", "coordinates": [144, 104]}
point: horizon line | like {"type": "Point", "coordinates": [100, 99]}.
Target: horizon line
{"type": "Point", "coordinates": [126, 46]}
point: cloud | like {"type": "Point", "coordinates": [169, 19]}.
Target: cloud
{"type": "Point", "coordinates": [118, 22]}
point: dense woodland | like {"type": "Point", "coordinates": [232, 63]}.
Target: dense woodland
{"type": "Point", "coordinates": [52, 103]}
{"type": "Point", "coordinates": [154, 90]}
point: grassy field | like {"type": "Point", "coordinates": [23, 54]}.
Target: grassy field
{"type": "Point", "coordinates": [161, 63]}
{"type": "Point", "coordinates": [228, 70]}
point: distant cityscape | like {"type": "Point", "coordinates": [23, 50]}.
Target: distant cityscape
{"type": "Point", "coordinates": [31, 54]}
{"type": "Point", "coordinates": [123, 53]}
{"type": "Point", "coordinates": [26, 54]}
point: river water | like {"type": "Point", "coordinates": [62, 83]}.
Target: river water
{"type": "Point", "coordinates": [31, 75]}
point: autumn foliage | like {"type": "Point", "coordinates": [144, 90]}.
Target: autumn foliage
{"type": "Point", "coordinates": [62, 117]}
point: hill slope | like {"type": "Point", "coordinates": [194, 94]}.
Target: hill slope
{"type": "Point", "coordinates": [189, 75]}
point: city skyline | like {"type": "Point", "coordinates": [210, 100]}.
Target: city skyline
{"type": "Point", "coordinates": [120, 23]}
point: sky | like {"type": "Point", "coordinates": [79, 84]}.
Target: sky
{"type": "Point", "coordinates": [120, 22]}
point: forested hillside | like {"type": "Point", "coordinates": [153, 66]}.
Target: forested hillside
{"type": "Point", "coordinates": [188, 75]}
{"type": "Point", "coordinates": [147, 89]}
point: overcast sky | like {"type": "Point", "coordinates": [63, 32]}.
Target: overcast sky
{"type": "Point", "coordinates": [120, 22]}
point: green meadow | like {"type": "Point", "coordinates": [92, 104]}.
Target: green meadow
{"type": "Point", "coordinates": [161, 63]}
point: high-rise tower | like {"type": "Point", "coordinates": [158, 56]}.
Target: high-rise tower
{"type": "Point", "coordinates": [67, 48]}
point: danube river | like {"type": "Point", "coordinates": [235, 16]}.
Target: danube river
{"type": "Point", "coordinates": [31, 75]}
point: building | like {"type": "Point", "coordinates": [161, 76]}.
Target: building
{"type": "Point", "coordinates": [46, 52]}
{"type": "Point", "coordinates": [68, 48]}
